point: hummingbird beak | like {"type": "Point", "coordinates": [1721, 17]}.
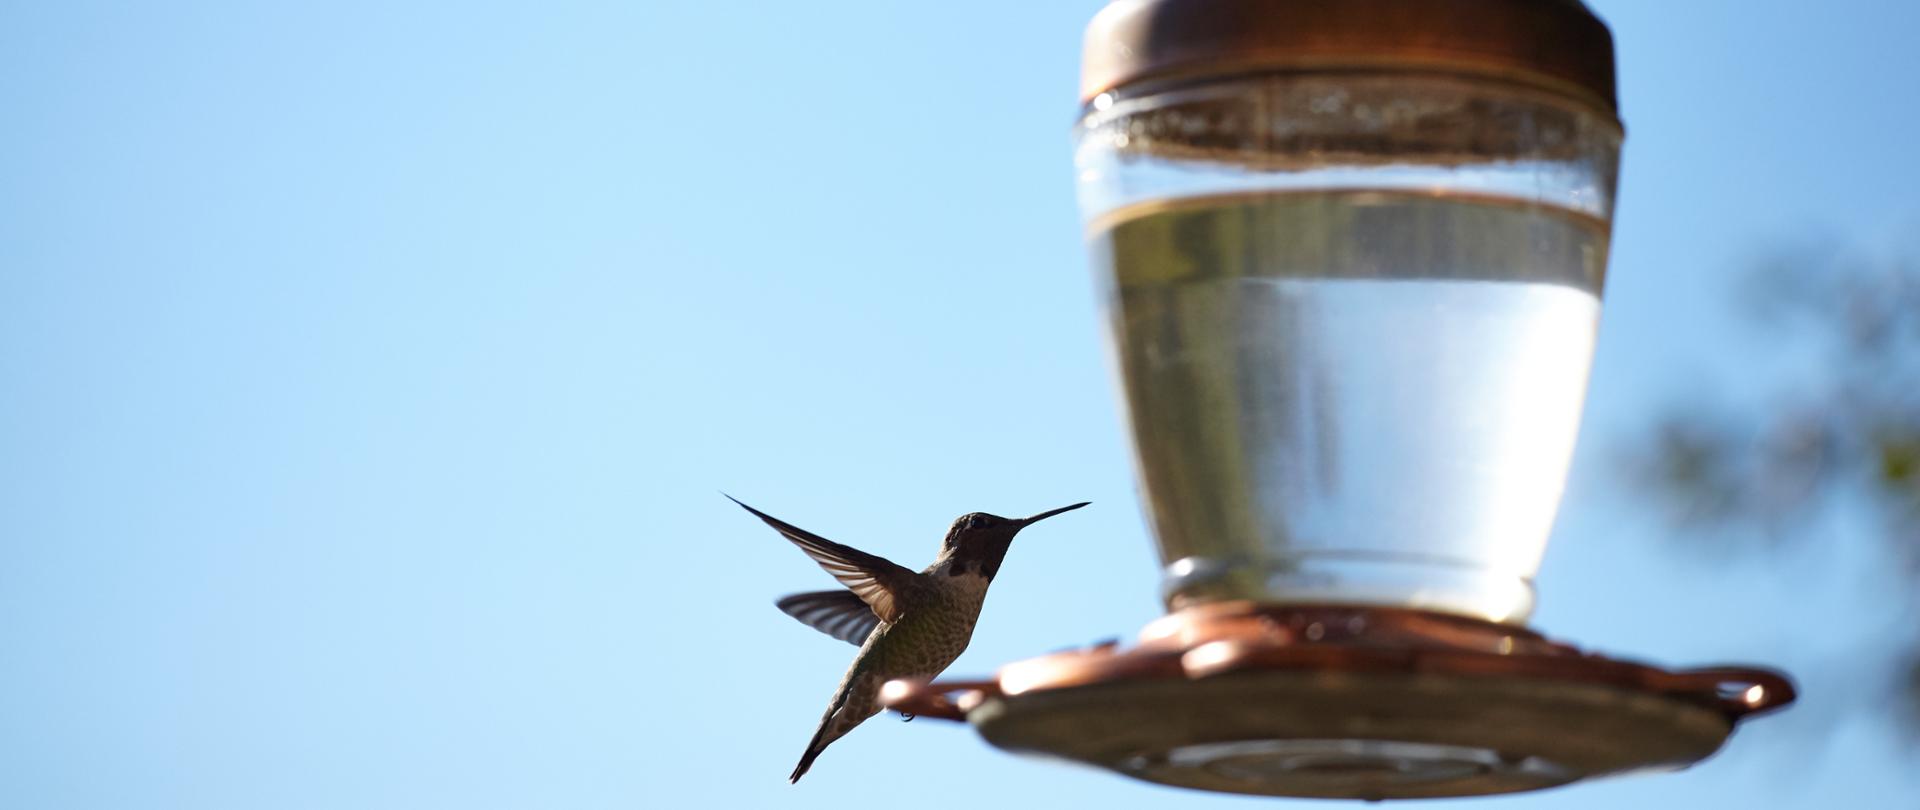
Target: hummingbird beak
{"type": "Point", "coordinates": [1024, 522]}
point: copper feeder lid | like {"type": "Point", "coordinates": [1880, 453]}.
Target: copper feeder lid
{"type": "Point", "coordinates": [1557, 44]}
{"type": "Point", "coordinates": [1351, 703]}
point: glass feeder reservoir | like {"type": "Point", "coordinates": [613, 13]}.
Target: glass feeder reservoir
{"type": "Point", "coordinates": [1352, 255]}
{"type": "Point", "coordinates": [1353, 305]}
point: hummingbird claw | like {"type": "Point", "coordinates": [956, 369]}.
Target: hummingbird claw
{"type": "Point", "coordinates": [906, 718]}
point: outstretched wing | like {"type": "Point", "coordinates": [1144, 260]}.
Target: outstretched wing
{"type": "Point", "coordinates": [875, 579]}
{"type": "Point", "coordinates": [838, 613]}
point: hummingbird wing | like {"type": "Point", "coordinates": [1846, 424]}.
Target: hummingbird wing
{"type": "Point", "coordinates": [841, 614]}
{"type": "Point", "coordinates": [875, 579]}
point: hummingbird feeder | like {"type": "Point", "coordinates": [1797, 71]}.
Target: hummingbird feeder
{"type": "Point", "coordinates": [1352, 256]}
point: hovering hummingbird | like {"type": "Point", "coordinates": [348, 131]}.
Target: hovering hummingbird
{"type": "Point", "coordinates": [908, 625]}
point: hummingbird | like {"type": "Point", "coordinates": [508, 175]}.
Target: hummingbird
{"type": "Point", "coordinates": [908, 624]}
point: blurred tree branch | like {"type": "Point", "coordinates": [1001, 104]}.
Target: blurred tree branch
{"type": "Point", "coordinates": [1843, 431]}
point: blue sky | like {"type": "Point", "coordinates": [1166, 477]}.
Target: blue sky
{"type": "Point", "coordinates": [368, 376]}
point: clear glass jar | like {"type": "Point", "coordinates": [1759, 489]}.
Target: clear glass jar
{"type": "Point", "coordinates": [1353, 312]}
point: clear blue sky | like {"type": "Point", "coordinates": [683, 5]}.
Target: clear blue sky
{"type": "Point", "coordinates": [369, 372]}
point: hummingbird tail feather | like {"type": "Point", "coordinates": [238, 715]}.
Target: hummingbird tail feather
{"type": "Point", "coordinates": [814, 747]}
{"type": "Point", "coordinates": [833, 725]}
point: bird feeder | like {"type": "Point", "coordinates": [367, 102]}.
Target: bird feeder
{"type": "Point", "coordinates": [1352, 256]}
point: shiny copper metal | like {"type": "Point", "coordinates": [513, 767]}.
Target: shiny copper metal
{"type": "Point", "coordinates": [1240, 637]}
{"type": "Point", "coordinates": [1557, 44]}
{"type": "Point", "coordinates": [1350, 702]}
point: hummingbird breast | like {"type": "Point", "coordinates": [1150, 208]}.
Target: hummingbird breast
{"type": "Point", "coordinates": [935, 627]}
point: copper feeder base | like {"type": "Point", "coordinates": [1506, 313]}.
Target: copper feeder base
{"type": "Point", "coordinates": [1343, 702]}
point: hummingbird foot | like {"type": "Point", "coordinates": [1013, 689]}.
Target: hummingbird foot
{"type": "Point", "coordinates": [906, 718]}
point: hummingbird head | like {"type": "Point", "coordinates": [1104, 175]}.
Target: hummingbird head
{"type": "Point", "coordinates": [978, 542]}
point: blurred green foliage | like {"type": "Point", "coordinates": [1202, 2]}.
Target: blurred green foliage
{"type": "Point", "coordinates": [1842, 430]}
